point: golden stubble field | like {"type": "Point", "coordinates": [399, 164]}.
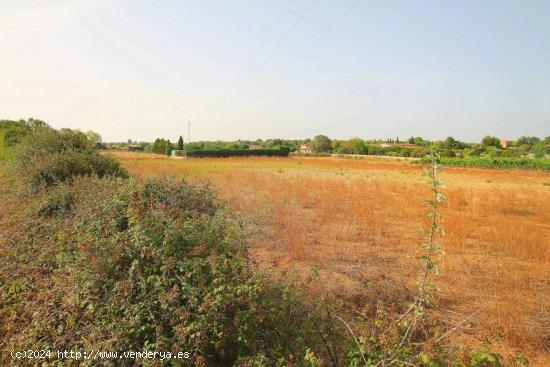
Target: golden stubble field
{"type": "Point", "coordinates": [359, 222]}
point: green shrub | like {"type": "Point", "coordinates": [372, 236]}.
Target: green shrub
{"type": "Point", "coordinates": [47, 156]}
{"type": "Point", "coordinates": [177, 278]}
{"type": "Point", "coordinates": [12, 132]}
{"type": "Point", "coordinates": [59, 202]}
{"type": "Point", "coordinates": [494, 162]}
{"type": "Point", "coordinates": [484, 358]}
{"type": "Point", "coordinates": [158, 265]}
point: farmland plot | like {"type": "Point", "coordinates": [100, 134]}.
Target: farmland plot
{"type": "Point", "coordinates": [359, 222]}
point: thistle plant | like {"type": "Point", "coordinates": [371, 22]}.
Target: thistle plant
{"type": "Point", "coordinates": [431, 247]}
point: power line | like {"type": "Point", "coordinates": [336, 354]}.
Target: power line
{"type": "Point", "coordinates": [276, 48]}
{"type": "Point", "coordinates": [313, 44]}
{"type": "Point", "coordinates": [317, 40]}
{"type": "Point", "coordinates": [321, 36]}
{"type": "Point", "coordinates": [262, 45]}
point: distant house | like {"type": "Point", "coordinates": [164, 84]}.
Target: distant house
{"type": "Point", "coordinates": [506, 143]}
{"type": "Point", "coordinates": [255, 147]}
{"type": "Point", "coordinates": [304, 148]}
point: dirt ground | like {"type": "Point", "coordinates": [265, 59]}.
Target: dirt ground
{"type": "Point", "coordinates": [360, 221]}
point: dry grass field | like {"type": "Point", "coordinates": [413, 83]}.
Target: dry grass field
{"type": "Point", "coordinates": [359, 220]}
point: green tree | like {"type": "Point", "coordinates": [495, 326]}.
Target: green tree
{"type": "Point", "coordinates": [180, 143]}
{"type": "Point", "coordinates": [451, 143]}
{"type": "Point", "coordinates": [273, 143]}
{"type": "Point", "coordinates": [320, 144]}
{"type": "Point", "coordinates": [527, 140]}
{"type": "Point", "coordinates": [36, 124]}
{"type": "Point", "coordinates": [356, 146]}
{"type": "Point", "coordinates": [337, 146]}
{"type": "Point", "coordinates": [168, 148]}
{"type": "Point", "coordinates": [94, 137]}
{"type": "Point", "coordinates": [490, 141]}
{"type": "Point", "coordinates": [419, 141]}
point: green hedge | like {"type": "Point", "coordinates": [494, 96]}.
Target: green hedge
{"type": "Point", "coordinates": [283, 152]}
{"type": "Point", "coordinates": [494, 162]}
{"type": "Point", "coordinates": [298, 154]}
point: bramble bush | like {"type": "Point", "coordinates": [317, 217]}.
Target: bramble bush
{"type": "Point", "coordinates": [47, 156]}
{"type": "Point", "coordinates": [159, 265]}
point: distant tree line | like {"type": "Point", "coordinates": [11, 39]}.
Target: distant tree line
{"type": "Point", "coordinates": [12, 131]}
{"type": "Point", "coordinates": [489, 146]}
{"type": "Point", "coordinates": [164, 146]}
{"type": "Point", "coordinates": [418, 147]}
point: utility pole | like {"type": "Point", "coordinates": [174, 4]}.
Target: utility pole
{"type": "Point", "coordinates": [189, 131]}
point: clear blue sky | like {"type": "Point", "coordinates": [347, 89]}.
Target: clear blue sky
{"type": "Point", "coordinates": [247, 69]}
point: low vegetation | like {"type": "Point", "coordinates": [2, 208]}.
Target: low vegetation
{"type": "Point", "coordinates": [47, 156]}
{"type": "Point", "coordinates": [495, 162]}
{"type": "Point", "coordinates": [159, 266]}
{"type": "Point", "coordinates": [94, 259]}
